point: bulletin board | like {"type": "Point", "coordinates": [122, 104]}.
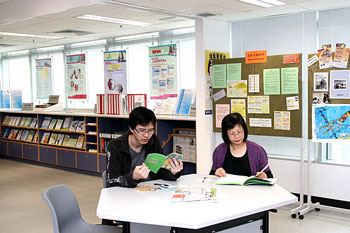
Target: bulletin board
{"type": "Point", "coordinates": [311, 70]}
{"type": "Point", "coordinates": [277, 102]}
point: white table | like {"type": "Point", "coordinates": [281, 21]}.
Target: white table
{"type": "Point", "coordinates": [154, 212]}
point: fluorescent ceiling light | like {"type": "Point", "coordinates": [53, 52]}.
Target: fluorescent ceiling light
{"type": "Point", "coordinates": [89, 43]}
{"type": "Point", "coordinates": [29, 35]}
{"type": "Point", "coordinates": [257, 3]}
{"type": "Point", "coordinates": [23, 52]}
{"type": "Point", "coordinates": [50, 48]}
{"type": "Point", "coordinates": [112, 20]}
{"type": "Point", "coordinates": [183, 31]}
{"type": "Point", "coordinates": [274, 2]}
{"type": "Point", "coordinates": [138, 36]}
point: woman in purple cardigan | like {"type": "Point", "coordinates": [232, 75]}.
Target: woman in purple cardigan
{"type": "Point", "coordinates": [237, 155]}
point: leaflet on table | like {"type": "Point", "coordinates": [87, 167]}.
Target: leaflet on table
{"type": "Point", "coordinates": [189, 194]}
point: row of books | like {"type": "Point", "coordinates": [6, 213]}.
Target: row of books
{"type": "Point", "coordinates": [63, 140]}
{"type": "Point", "coordinates": [20, 134]}
{"type": "Point", "coordinates": [67, 123]}
{"type": "Point", "coordinates": [20, 121]}
{"type": "Point", "coordinates": [105, 138]}
{"type": "Point", "coordinates": [119, 104]}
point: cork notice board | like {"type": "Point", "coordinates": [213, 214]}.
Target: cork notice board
{"type": "Point", "coordinates": [277, 102]}
{"type": "Point", "coordinates": [315, 68]}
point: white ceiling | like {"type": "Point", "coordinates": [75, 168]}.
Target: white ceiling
{"type": "Point", "coordinates": [44, 17]}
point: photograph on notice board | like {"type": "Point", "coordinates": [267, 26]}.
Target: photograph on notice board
{"type": "Point", "coordinates": [339, 84]}
{"type": "Point", "coordinates": [321, 81]}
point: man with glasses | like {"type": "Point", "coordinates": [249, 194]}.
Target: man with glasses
{"type": "Point", "coordinates": [126, 154]}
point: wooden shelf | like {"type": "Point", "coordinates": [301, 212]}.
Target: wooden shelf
{"type": "Point", "coordinates": [62, 131]}
{"type": "Point", "coordinates": [91, 143]}
{"type": "Point", "coordinates": [19, 127]}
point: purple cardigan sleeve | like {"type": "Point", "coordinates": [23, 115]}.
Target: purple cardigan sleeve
{"type": "Point", "coordinates": [219, 156]}
{"type": "Point", "coordinates": [257, 157]}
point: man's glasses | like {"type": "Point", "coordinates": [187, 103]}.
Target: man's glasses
{"type": "Point", "coordinates": [145, 131]}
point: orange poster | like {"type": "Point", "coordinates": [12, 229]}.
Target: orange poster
{"type": "Point", "coordinates": [256, 57]}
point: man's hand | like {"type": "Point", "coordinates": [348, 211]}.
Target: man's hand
{"type": "Point", "coordinates": [175, 166]}
{"type": "Point", "coordinates": [140, 172]}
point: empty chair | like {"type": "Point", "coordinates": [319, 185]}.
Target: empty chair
{"type": "Point", "coordinates": [65, 213]}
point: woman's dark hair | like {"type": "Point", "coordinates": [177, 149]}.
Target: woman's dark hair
{"type": "Point", "coordinates": [141, 116]}
{"type": "Point", "coordinates": [229, 122]}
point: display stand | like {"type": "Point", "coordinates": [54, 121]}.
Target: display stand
{"type": "Point", "coordinates": [53, 108]}
{"type": "Point", "coordinates": [302, 205]}
{"type": "Point", "coordinates": [309, 206]}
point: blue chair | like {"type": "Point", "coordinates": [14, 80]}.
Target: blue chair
{"type": "Point", "coordinates": [65, 213]}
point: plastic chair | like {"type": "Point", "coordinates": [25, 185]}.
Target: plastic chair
{"type": "Point", "coordinates": [65, 213]}
{"type": "Point", "coordinates": [104, 177]}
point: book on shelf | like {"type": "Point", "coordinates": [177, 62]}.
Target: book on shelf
{"type": "Point", "coordinates": [66, 140]}
{"type": "Point", "coordinates": [72, 142]}
{"type": "Point", "coordinates": [18, 121]}
{"type": "Point", "coordinates": [93, 150]}
{"type": "Point", "coordinates": [245, 180]}
{"type": "Point", "coordinates": [19, 134]}
{"type": "Point", "coordinates": [6, 120]}
{"type": "Point", "coordinates": [46, 122]}
{"type": "Point", "coordinates": [45, 137]}
{"type": "Point", "coordinates": [28, 121]}
{"type": "Point", "coordinates": [24, 135]}
{"type": "Point", "coordinates": [66, 123]}
{"type": "Point", "coordinates": [155, 161]}
{"type": "Point", "coordinates": [80, 142]}
{"type": "Point", "coordinates": [92, 133]}
{"type": "Point", "coordinates": [30, 135]}
{"type": "Point", "coordinates": [6, 133]}
{"type": "Point", "coordinates": [33, 123]}
{"type": "Point", "coordinates": [14, 135]}
{"type": "Point", "coordinates": [189, 194]}
{"type": "Point", "coordinates": [59, 124]}
{"type": "Point", "coordinates": [59, 140]}
{"type": "Point", "coordinates": [185, 99]}
{"type": "Point", "coordinates": [36, 137]}
{"type": "Point", "coordinates": [52, 123]}
{"type": "Point", "coordinates": [23, 121]}
{"type": "Point", "coordinates": [81, 126]}
{"type": "Point", "coordinates": [53, 138]}
{"type": "Point", "coordinates": [10, 134]}
{"type": "Point", "coordinates": [12, 121]}
{"type": "Point", "coordinates": [73, 125]}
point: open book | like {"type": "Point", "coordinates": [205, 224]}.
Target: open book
{"type": "Point", "coordinates": [155, 161]}
{"type": "Point", "coordinates": [245, 180]}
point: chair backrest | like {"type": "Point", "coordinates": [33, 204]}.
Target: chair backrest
{"type": "Point", "coordinates": [104, 177]}
{"type": "Point", "coordinates": [63, 207]}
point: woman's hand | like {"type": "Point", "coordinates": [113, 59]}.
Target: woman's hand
{"type": "Point", "coordinates": [175, 166]}
{"type": "Point", "coordinates": [140, 172]}
{"type": "Point", "coordinates": [262, 175]}
{"type": "Point", "coordinates": [220, 172]}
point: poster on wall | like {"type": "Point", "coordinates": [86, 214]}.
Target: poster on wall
{"type": "Point", "coordinates": [210, 56]}
{"type": "Point", "coordinates": [330, 122]}
{"type": "Point", "coordinates": [43, 78]}
{"type": "Point", "coordinates": [76, 76]}
{"type": "Point", "coordinates": [163, 71]}
{"type": "Point", "coordinates": [115, 72]}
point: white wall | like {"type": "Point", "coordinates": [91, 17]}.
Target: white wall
{"type": "Point", "coordinates": [211, 35]}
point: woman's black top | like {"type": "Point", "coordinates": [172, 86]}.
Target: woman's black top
{"type": "Point", "coordinates": [239, 166]}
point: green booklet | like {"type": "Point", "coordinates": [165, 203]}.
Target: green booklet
{"type": "Point", "coordinates": [245, 180]}
{"type": "Point", "coordinates": [155, 161]}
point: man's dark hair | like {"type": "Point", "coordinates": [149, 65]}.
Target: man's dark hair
{"type": "Point", "coordinates": [141, 116]}
{"type": "Point", "coordinates": [229, 122]}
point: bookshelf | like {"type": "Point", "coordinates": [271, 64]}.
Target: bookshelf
{"type": "Point", "coordinates": [97, 131]}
